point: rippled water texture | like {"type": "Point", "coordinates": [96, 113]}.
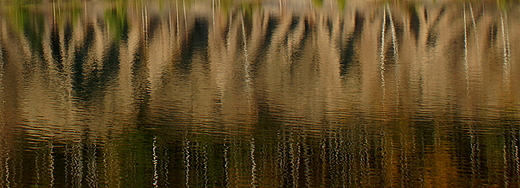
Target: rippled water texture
{"type": "Point", "coordinates": [267, 93]}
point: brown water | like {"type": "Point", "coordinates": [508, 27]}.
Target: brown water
{"type": "Point", "coordinates": [290, 93]}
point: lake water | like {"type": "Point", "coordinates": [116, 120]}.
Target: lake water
{"type": "Point", "coordinates": [259, 93]}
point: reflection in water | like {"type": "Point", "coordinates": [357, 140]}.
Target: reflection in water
{"type": "Point", "coordinates": [259, 93]}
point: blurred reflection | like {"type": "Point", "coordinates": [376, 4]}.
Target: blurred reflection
{"type": "Point", "coordinates": [259, 93]}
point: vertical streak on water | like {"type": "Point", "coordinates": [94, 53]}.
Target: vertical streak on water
{"type": "Point", "coordinates": [67, 166]}
{"type": "Point", "coordinates": [105, 166]}
{"type": "Point", "coordinates": [343, 159]}
{"type": "Point", "coordinates": [213, 16]}
{"type": "Point", "coordinates": [247, 64]}
{"type": "Point", "coordinates": [226, 165]}
{"type": "Point", "coordinates": [228, 35]}
{"type": "Point", "coordinates": [504, 156]}
{"type": "Point", "coordinates": [185, 18]}
{"type": "Point", "coordinates": [187, 162]}
{"type": "Point", "coordinates": [204, 154]}
{"type": "Point", "coordinates": [92, 167]}
{"type": "Point", "coordinates": [333, 159]}
{"type": "Point", "coordinates": [5, 151]}
{"type": "Point", "coordinates": [77, 165]}
{"type": "Point", "coordinates": [505, 40]}
{"type": "Point", "coordinates": [474, 144]}
{"type": "Point", "coordinates": [476, 34]}
{"type": "Point", "coordinates": [142, 19]}
{"type": "Point", "coordinates": [7, 183]}
{"type": "Point", "coordinates": [383, 83]}
{"type": "Point", "coordinates": [306, 162]}
{"type": "Point", "coordinates": [382, 54]}
{"type": "Point", "coordinates": [517, 159]}
{"type": "Point", "coordinates": [295, 163]}
{"type": "Point", "coordinates": [51, 165]}
{"type": "Point", "coordinates": [145, 23]}
{"type": "Point", "coordinates": [177, 21]}
{"type": "Point", "coordinates": [166, 171]}
{"type": "Point", "coordinates": [213, 7]}
{"type": "Point", "coordinates": [403, 160]}
{"type": "Point", "coordinates": [517, 162]}
{"type": "Point", "coordinates": [466, 71]}
{"type": "Point", "coordinates": [366, 170]}
{"type": "Point", "coordinates": [236, 167]}
{"type": "Point", "coordinates": [254, 179]}
{"type": "Point", "coordinates": [323, 155]}
{"type": "Point", "coordinates": [154, 161]}
{"type": "Point", "coordinates": [54, 17]}
{"type": "Point", "coordinates": [473, 155]}
{"type": "Point", "coordinates": [280, 4]}
{"type": "Point", "coordinates": [37, 165]}
{"type": "Point", "coordinates": [170, 25]}
{"type": "Point", "coordinates": [285, 157]}
{"type": "Point", "coordinates": [513, 156]}
{"type": "Point", "coordinates": [396, 51]}
{"type": "Point", "coordinates": [279, 161]}
{"type": "Point", "coordinates": [247, 67]}
{"type": "Point", "coordinates": [86, 11]}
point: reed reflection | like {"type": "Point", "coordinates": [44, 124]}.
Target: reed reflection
{"type": "Point", "coordinates": [259, 93]}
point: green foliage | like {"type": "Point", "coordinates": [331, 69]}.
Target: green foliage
{"type": "Point", "coordinates": [318, 3]}
{"type": "Point", "coordinates": [342, 4]}
{"type": "Point", "coordinates": [28, 23]}
{"type": "Point", "coordinates": [116, 20]}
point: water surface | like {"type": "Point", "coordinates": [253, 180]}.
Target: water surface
{"type": "Point", "coordinates": [219, 93]}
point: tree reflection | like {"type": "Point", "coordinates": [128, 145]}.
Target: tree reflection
{"type": "Point", "coordinates": [259, 93]}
